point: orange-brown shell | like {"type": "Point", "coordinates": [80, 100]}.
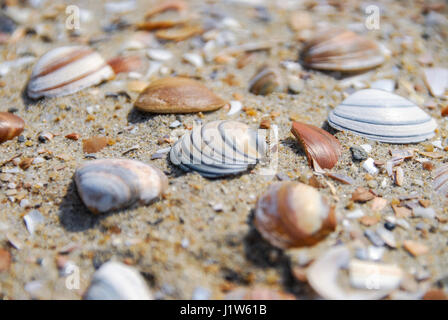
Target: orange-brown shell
{"type": "Point", "coordinates": [291, 214]}
{"type": "Point", "coordinates": [10, 126]}
{"type": "Point", "coordinates": [126, 64]}
{"type": "Point", "coordinates": [178, 95]}
{"type": "Point", "coordinates": [319, 145]}
{"type": "Point", "coordinates": [179, 33]}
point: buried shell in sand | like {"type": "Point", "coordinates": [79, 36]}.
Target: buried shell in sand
{"type": "Point", "coordinates": [66, 70]}
{"type": "Point", "coordinates": [112, 184]}
{"type": "Point", "coordinates": [218, 149]}
{"type": "Point", "coordinates": [291, 214]}
{"type": "Point", "coordinates": [10, 126]}
{"type": "Point", "coordinates": [382, 116]}
{"type": "Point", "coordinates": [440, 183]}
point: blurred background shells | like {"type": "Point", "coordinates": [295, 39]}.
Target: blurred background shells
{"type": "Point", "coordinates": [266, 81]}
{"type": "Point", "coordinates": [320, 146]}
{"type": "Point", "coordinates": [440, 183]}
{"type": "Point", "coordinates": [66, 70]}
{"type": "Point", "coordinates": [337, 49]}
{"type": "Point", "coordinates": [178, 95]}
{"type": "Point", "coordinates": [291, 214]}
{"type": "Point", "coordinates": [10, 126]}
{"type": "Point", "coordinates": [219, 148]}
{"type": "Point", "coordinates": [382, 116]}
{"type": "Point", "coordinates": [111, 184]}
{"type": "Point", "coordinates": [258, 293]}
{"type": "Point", "coordinates": [117, 281]}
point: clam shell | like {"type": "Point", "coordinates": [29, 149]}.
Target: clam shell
{"type": "Point", "coordinates": [440, 183]}
{"type": "Point", "coordinates": [178, 95]}
{"type": "Point", "coordinates": [117, 281]}
{"type": "Point", "coordinates": [111, 184]}
{"type": "Point", "coordinates": [10, 126]}
{"type": "Point", "coordinates": [341, 50]}
{"type": "Point", "coordinates": [266, 81]}
{"type": "Point", "coordinates": [382, 116]}
{"type": "Point", "coordinates": [66, 70]}
{"type": "Point", "coordinates": [291, 214]}
{"type": "Point", "coordinates": [218, 149]}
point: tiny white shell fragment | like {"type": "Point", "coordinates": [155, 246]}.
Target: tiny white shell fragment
{"type": "Point", "coordinates": [120, 7]}
{"type": "Point", "coordinates": [355, 214]}
{"type": "Point", "coordinates": [367, 147]}
{"type": "Point", "coordinates": [437, 80]}
{"type": "Point", "coordinates": [421, 212]}
{"type": "Point", "coordinates": [32, 220]}
{"type": "Point", "coordinates": [117, 281]}
{"type": "Point", "coordinates": [374, 276]}
{"type": "Point", "coordinates": [194, 58]}
{"type": "Point", "coordinates": [159, 54]}
{"type": "Point", "coordinates": [235, 107]}
{"type": "Point", "coordinates": [369, 166]}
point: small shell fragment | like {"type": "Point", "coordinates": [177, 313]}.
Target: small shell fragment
{"type": "Point", "coordinates": [437, 81]}
{"type": "Point", "coordinates": [10, 126]}
{"type": "Point", "coordinates": [94, 144]}
{"type": "Point", "coordinates": [111, 184]}
{"type": "Point", "coordinates": [374, 276]}
{"type": "Point", "coordinates": [440, 183]}
{"type": "Point", "coordinates": [266, 81]}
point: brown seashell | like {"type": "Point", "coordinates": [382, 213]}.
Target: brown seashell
{"type": "Point", "coordinates": [162, 24]}
{"type": "Point", "coordinates": [10, 126]}
{"type": "Point", "coordinates": [341, 50]}
{"type": "Point", "coordinates": [175, 5]}
{"type": "Point", "coordinates": [73, 136]}
{"type": "Point", "coordinates": [94, 144]}
{"type": "Point", "coordinates": [291, 214]}
{"type": "Point", "coordinates": [5, 260]}
{"type": "Point", "coordinates": [258, 293]}
{"type": "Point", "coordinates": [180, 33]}
{"type": "Point", "coordinates": [320, 146]}
{"type": "Point", "coordinates": [266, 81]}
{"type": "Point", "coordinates": [178, 95]}
{"type": "Point", "coordinates": [126, 64]}
{"type": "Point", "coordinates": [362, 195]}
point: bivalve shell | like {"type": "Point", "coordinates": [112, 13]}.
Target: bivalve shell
{"type": "Point", "coordinates": [111, 184]}
{"type": "Point", "coordinates": [341, 50]}
{"type": "Point", "coordinates": [440, 183]}
{"type": "Point", "coordinates": [66, 70]}
{"type": "Point", "coordinates": [178, 95]}
{"type": "Point", "coordinates": [219, 148]}
{"type": "Point", "coordinates": [382, 116]}
{"type": "Point", "coordinates": [291, 214]}
{"type": "Point", "coordinates": [10, 126]}
{"type": "Point", "coordinates": [266, 81]}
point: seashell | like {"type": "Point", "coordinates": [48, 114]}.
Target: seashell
{"type": "Point", "coordinates": [94, 144]}
{"type": "Point", "coordinates": [179, 33]}
{"type": "Point", "coordinates": [218, 149]}
{"type": "Point", "coordinates": [320, 146]}
{"type": "Point", "coordinates": [66, 70]}
{"type": "Point", "coordinates": [291, 214]}
{"type": "Point", "coordinates": [10, 126]}
{"type": "Point", "coordinates": [175, 5]}
{"type": "Point", "coordinates": [178, 95]}
{"type": "Point", "coordinates": [112, 184]}
{"type": "Point", "coordinates": [159, 54]}
{"type": "Point", "coordinates": [117, 281]}
{"type": "Point", "coordinates": [382, 116]}
{"type": "Point", "coordinates": [440, 183]}
{"type": "Point", "coordinates": [258, 293]}
{"type": "Point", "coordinates": [126, 64]}
{"type": "Point", "coordinates": [341, 50]}
{"type": "Point", "coordinates": [436, 80]}
{"type": "Point", "coordinates": [266, 81]}
{"type": "Point", "coordinates": [374, 276]}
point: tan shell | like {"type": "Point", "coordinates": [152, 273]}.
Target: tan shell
{"type": "Point", "coordinates": [10, 126]}
{"type": "Point", "coordinates": [178, 95]}
{"type": "Point", "coordinates": [180, 33]}
{"type": "Point", "coordinates": [341, 50]}
{"type": "Point", "coordinates": [291, 214]}
{"type": "Point", "coordinates": [266, 81]}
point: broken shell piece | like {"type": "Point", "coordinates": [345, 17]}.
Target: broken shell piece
{"type": "Point", "coordinates": [382, 116]}
{"type": "Point", "coordinates": [440, 183]}
{"type": "Point", "coordinates": [66, 70]}
{"type": "Point", "coordinates": [178, 95]}
{"type": "Point", "coordinates": [374, 276]}
{"type": "Point", "coordinates": [10, 126]}
{"type": "Point", "coordinates": [319, 145]}
{"type": "Point", "coordinates": [111, 184]}
{"type": "Point", "coordinates": [437, 80]}
{"type": "Point", "coordinates": [126, 64]}
{"type": "Point", "coordinates": [180, 33]}
{"type": "Point", "coordinates": [291, 214]}
{"type": "Point", "coordinates": [117, 281]}
{"type": "Point", "coordinates": [94, 144]}
{"type": "Point", "coordinates": [258, 293]}
{"type": "Point", "coordinates": [266, 81]}
{"type": "Point", "coordinates": [341, 50]}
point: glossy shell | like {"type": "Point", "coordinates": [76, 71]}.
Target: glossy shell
{"type": "Point", "coordinates": [178, 95]}
{"type": "Point", "coordinates": [266, 81]}
{"type": "Point", "coordinates": [112, 184]}
{"type": "Point", "coordinates": [291, 214]}
{"type": "Point", "coordinates": [10, 126]}
{"type": "Point", "coordinates": [341, 50]}
{"type": "Point", "coordinates": [219, 148]}
{"type": "Point", "coordinates": [66, 70]}
{"type": "Point", "coordinates": [382, 116]}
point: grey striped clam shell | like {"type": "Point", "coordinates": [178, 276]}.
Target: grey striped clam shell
{"type": "Point", "coordinates": [440, 183]}
{"type": "Point", "coordinates": [218, 149]}
{"type": "Point", "coordinates": [66, 70]}
{"type": "Point", "coordinates": [111, 184]}
{"type": "Point", "coordinates": [382, 116]}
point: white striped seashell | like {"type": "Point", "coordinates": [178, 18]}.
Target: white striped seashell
{"type": "Point", "coordinates": [440, 183]}
{"type": "Point", "coordinates": [219, 148]}
{"type": "Point", "coordinates": [117, 281]}
{"type": "Point", "coordinates": [66, 70]}
{"type": "Point", "coordinates": [382, 116]}
{"type": "Point", "coordinates": [111, 184]}
{"type": "Point", "coordinates": [436, 80]}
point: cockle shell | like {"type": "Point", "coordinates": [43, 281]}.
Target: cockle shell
{"type": "Point", "coordinates": [10, 126]}
{"type": "Point", "coordinates": [178, 95]}
{"type": "Point", "coordinates": [112, 184]}
{"type": "Point", "coordinates": [291, 214]}
{"type": "Point", "coordinates": [382, 116]}
{"type": "Point", "coordinates": [341, 50]}
{"type": "Point", "coordinates": [117, 281]}
{"type": "Point", "coordinates": [258, 293]}
{"type": "Point", "coordinates": [219, 148]}
{"type": "Point", "coordinates": [66, 70]}
{"type": "Point", "coordinates": [440, 183]}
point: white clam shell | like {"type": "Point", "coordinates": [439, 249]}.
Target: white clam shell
{"type": "Point", "coordinates": [66, 70]}
{"type": "Point", "coordinates": [117, 281]}
{"type": "Point", "coordinates": [219, 148]}
{"type": "Point", "coordinates": [382, 116]}
{"type": "Point", "coordinates": [111, 184]}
